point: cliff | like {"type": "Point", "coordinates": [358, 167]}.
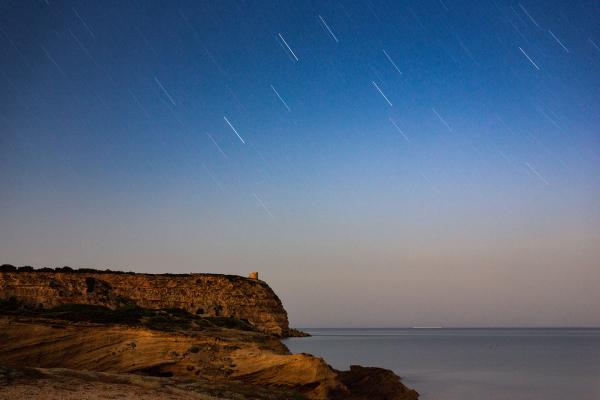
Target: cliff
{"type": "Point", "coordinates": [91, 334]}
{"type": "Point", "coordinates": [203, 294]}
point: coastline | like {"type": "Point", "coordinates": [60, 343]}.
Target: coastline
{"type": "Point", "coordinates": [126, 340]}
{"type": "Point", "coordinates": [464, 363]}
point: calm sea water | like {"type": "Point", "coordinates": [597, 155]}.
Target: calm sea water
{"type": "Point", "coordinates": [471, 364]}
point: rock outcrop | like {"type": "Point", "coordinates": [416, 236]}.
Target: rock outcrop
{"type": "Point", "coordinates": [68, 384]}
{"type": "Point", "coordinates": [247, 299]}
{"type": "Point", "coordinates": [237, 361]}
{"type": "Point", "coordinates": [95, 335]}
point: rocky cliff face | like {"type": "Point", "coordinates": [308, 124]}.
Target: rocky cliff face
{"type": "Point", "coordinates": [207, 294]}
{"type": "Point", "coordinates": [60, 336]}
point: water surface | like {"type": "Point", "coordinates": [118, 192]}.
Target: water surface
{"type": "Point", "coordinates": [464, 364]}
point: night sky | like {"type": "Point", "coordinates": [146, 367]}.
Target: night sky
{"type": "Point", "coordinates": [380, 163]}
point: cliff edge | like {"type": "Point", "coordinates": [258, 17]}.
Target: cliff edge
{"type": "Point", "coordinates": [87, 334]}
{"type": "Point", "coordinates": [211, 295]}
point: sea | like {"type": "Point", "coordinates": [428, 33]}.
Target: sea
{"type": "Point", "coordinates": [470, 364]}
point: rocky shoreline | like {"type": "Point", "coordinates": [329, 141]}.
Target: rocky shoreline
{"type": "Point", "coordinates": [135, 352]}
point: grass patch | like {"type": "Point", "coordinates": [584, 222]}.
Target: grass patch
{"type": "Point", "coordinates": [98, 314]}
{"type": "Point", "coordinates": [231, 323]}
{"type": "Point", "coordinates": [170, 319]}
{"type": "Point", "coordinates": [178, 312]}
{"type": "Point", "coordinates": [167, 323]}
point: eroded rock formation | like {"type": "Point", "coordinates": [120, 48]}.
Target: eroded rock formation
{"type": "Point", "coordinates": [238, 361]}
{"type": "Point", "coordinates": [136, 336]}
{"type": "Point", "coordinates": [207, 294]}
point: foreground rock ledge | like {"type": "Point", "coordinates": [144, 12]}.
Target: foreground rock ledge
{"type": "Point", "coordinates": [251, 365]}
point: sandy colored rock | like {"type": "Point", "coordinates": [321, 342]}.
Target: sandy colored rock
{"type": "Point", "coordinates": [218, 355]}
{"type": "Point", "coordinates": [208, 294]}
{"type": "Point", "coordinates": [145, 346]}
{"type": "Point", "coordinates": [246, 360]}
{"type": "Point", "coordinates": [68, 384]}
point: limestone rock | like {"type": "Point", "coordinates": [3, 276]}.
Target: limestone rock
{"type": "Point", "coordinates": [208, 294]}
{"type": "Point", "coordinates": [233, 360]}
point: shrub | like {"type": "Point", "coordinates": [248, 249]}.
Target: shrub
{"type": "Point", "coordinates": [87, 270]}
{"type": "Point", "coordinates": [231, 323]}
{"type": "Point", "coordinates": [98, 314]}
{"type": "Point", "coordinates": [178, 312]}
{"type": "Point", "coordinates": [164, 323]}
{"type": "Point", "coordinates": [10, 304]}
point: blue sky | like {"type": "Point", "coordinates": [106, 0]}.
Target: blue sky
{"type": "Point", "coordinates": [400, 140]}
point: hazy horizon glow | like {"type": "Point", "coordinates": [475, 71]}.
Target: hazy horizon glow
{"type": "Point", "coordinates": [380, 164]}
